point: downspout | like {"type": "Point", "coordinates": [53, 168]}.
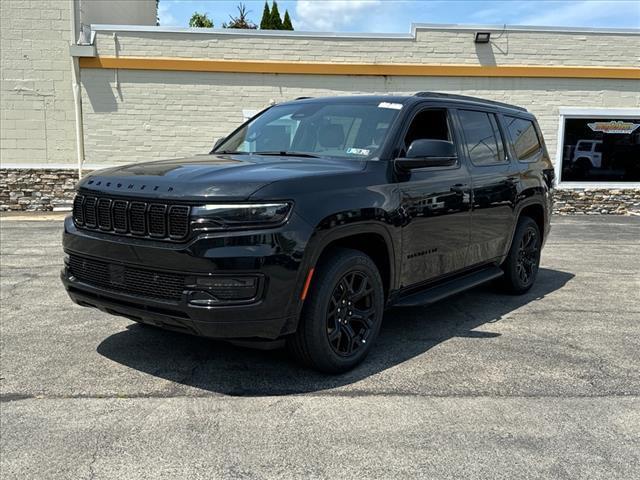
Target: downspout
{"type": "Point", "coordinates": [77, 97]}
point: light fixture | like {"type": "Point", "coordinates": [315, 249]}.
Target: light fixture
{"type": "Point", "coordinates": [482, 37]}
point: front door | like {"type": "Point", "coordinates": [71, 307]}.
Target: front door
{"type": "Point", "coordinates": [436, 206]}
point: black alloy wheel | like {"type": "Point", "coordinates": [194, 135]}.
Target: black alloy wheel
{"type": "Point", "coordinates": [528, 256]}
{"type": "Point", "coordinates": [523, 260]}
{"type": "Point", "coordinates": [350, 316]}
{"type": "Point", "coordinates": [342, 314]}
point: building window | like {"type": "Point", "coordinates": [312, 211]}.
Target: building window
{"type": "Point", "coordinates": [600, 149]}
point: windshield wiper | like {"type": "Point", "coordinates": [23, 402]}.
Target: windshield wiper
{"type": "Point", "coordinates": [230, 152]}
{"type": "Point", "coordinates": [288, 154]}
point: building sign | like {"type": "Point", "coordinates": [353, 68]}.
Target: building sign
{"type": "Point", "coordinates": [614, 126]}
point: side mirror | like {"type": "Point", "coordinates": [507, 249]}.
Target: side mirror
{"type": "Point", "coordinates": [428, 153]}
{"type": "Point", "coordinates": [218, 143]}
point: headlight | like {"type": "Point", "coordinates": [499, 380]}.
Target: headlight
{"type": "Point", "coordinates": [240, 215]}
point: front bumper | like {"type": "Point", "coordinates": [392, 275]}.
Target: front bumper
{"type": "Point", "coordinates": [275, 256]}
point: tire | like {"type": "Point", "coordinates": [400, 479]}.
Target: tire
{"type": "Point", "coordinates": [523, 260]}
{"type": "Point", "coordinates": [329, 338]}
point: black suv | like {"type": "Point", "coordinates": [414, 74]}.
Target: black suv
{"type": "Point", "coordinates": [314, 216]}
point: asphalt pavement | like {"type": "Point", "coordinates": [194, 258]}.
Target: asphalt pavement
{"type": "Point", "coordinates": [482, 385]}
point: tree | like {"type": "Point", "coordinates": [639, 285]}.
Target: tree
{"type": "Point", "coordinates": [286, 23]}
{"type": "Point", "coordinates": [276, 21]}
{"type": "Point", "coordinates": [241, 21]}
{"type": "Point", "coordinates": [265, 22]}
{"type": "Point", "coordinates": [200, 20]}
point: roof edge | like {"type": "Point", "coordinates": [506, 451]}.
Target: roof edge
{"type": "Point", "coordinates": [361, 35]}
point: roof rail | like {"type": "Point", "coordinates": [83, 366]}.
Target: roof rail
{"type": "Point", "coordinates": [468, 99]}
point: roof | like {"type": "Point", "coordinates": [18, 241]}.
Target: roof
{"type": "Point", "coordinates": [408, 99]}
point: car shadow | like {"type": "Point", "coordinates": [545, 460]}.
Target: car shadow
{"type": "Point", "coordinates": [219, 367]}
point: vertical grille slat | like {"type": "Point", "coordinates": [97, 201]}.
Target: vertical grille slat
{"type": "Point", "coordinates": [104, 214]}
{"type": "Point", "coordinates": [178, 221]}
{"type": "Point", "coordinates": [137, 218]}
{"type": "Point", "coordinates": [90, 219]}
{"type": "Point", "coordinates": [78, 209]}
{"type": "Point", "coordinates": [157, 220]}
{"type": "Point", "coordinates": [120, 224]}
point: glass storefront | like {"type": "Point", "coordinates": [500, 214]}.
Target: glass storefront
{"type": "Point", "coordinates": [600, 149]}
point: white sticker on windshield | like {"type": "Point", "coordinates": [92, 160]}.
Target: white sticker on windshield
{"type": "Point", "coordinates": [358, 151]}
{"type": "Point", "coordinates": [394, 106]}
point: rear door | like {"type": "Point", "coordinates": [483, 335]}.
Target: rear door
{"type": "Point", "coordinates": [494, 180]}
{"type": "Point", "coordinates": [435, 202]}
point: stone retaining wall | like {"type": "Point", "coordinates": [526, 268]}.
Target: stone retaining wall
{"type": "Point", "coordinates": [597, 201]}
{"type": "Point", "coordinates": [37, 189]}
{"type": "Point", "coordinates": [52, 189]}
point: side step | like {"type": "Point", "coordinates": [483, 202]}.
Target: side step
{"type": "Point", "coordinates": [450, 287]}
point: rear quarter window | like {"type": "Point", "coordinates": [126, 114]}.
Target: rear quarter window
{"type": "Point", "coordinates": [524, 138]}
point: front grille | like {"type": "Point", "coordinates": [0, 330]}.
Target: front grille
{"type": "Point", "coordinates": [155, 220]}
{"type": "Point", "coordinates": [120, 278]}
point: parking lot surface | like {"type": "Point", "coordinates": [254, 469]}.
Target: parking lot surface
{"type": "Point", "coordinates": [482, 385]}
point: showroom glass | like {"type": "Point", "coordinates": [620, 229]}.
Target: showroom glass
{"type": "Point", "coordinates": [601, 150]}
{"type": "Point", "coordinates": [342, 130]}
{"type": "Point", "coordinates": [524, 137]}
{"type": "Point", "coordinates": [482, 136]}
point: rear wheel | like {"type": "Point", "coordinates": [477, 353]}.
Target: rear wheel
{"type": "Point", "coordinates": [522, 263]}
{"type": "Point", "coordinates": [342, 315]}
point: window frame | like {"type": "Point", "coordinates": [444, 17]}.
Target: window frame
{"type": "Point", "coordinates": [501, 133]}
{"type": "Point", "coordinates": [398, 144]}
{"type": "Point", "coordinates": [586, 112]}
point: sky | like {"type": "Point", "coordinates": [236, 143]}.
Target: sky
{"type": "Point", "coordinates": [396, 16]}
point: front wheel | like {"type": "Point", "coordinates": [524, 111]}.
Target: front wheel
{"type": "Point", "coordinates": [342, 315]}
{"type": "Point", "coordinates": [522, 263]}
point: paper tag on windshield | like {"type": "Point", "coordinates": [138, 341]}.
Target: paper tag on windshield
{"type": "Point", "coordinates": [359, 151]}
{"type": "Point", "coordinates": [393, 106]}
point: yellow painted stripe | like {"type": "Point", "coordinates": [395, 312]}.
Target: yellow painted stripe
{"type": "Point", "coordinates": [388, 69]}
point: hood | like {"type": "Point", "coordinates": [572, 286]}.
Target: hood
{"type": "Point", "coordinates": [232, 177]}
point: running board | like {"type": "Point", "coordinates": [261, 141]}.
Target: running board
{"type": "Point", "coordinates": [450, 287]}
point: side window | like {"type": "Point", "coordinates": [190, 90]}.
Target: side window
{"type": "Point", "coordinates": [431, 124]}
{"type": "Point", "coordinates": [482, 136]}
{"type": "Point", "coordinates": [525, 138]}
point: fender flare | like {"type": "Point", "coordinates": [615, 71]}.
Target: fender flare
{"type": "Point", "coordinates": [320, 239]}
{"type": "Point", "coordinates": [533, 200]}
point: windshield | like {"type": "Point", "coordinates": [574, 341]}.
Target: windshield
{"type": "Point", "coordinates": [342, 130]}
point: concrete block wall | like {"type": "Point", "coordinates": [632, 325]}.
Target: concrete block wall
{"type": "Point", "coordinates": [36, 100]}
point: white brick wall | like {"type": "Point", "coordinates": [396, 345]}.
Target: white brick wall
{"type": "Point", "coordinates": [156, 114]}
{"type": "Point", "coordinates": [167, 114]}
{"type": "Point", "coordinates": [36, 101]}
{"type": "Point", "coordinates": [429, 46]}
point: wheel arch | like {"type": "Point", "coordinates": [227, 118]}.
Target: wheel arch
{"type": "Point", "coordinates": [371, 238]}
{"type": "Point", "coordinates": [535, 211]}
{"type": "Point", "coordinates": [532, 207]}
